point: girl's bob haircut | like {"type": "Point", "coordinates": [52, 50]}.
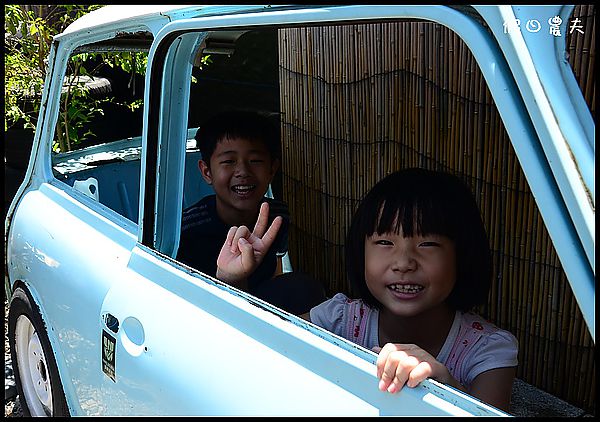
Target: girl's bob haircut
{"type": "Point", "coordinates": [422, 202]}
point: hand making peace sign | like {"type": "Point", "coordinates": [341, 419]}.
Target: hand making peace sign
{"type": "Point", "coordinates": [243, 251]}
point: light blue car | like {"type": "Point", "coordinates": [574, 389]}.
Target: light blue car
{"type": "Point", "coordinates": [103, 319]}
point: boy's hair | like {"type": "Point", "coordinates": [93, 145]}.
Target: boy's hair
{"type": "Point", "coordinates": [424, 202]}
{"type": "Point", "coordinates": [237, 124]}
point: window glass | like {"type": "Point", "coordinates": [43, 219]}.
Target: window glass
{"type": "Point", "coordinates": [97, 141]}
{"type": "Point", "coordinates": [356, 102]}
{"type": "Point", "coordinates": [236, 70]}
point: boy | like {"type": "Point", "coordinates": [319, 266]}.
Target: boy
{"type": "Point", "coordinates": [240, 156]}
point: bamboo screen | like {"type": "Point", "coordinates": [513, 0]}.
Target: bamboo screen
{"type": "Point", "coordinates": [361, 101]}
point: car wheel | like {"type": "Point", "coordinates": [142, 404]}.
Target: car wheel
{"type": "Point", "coordinates": [36, 375]}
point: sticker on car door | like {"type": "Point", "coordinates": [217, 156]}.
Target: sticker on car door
{"type": "Point", "coordinates": [108, 355]}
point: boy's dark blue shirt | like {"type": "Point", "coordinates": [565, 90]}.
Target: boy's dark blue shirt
{"type": "Point", "coordinates": [203, 234]}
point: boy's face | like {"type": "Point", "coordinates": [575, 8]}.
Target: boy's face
{"type": "Point", "coordinates": [240, 172]}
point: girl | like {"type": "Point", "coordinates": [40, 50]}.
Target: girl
{"type": "Point", "coordinates": [418, 257]}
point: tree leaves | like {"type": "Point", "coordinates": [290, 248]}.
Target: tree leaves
{"type": "Point", "coordinates": [29, 30]}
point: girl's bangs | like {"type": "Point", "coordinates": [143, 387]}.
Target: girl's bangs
{"type": "Point", "coordinates": [413, 216]}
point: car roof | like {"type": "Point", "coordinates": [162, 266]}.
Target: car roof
{"type": "Point", "coordinates": [147, 14]}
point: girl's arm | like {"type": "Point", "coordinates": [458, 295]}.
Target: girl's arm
{"type": "Point", "coordinates": [494, 387]}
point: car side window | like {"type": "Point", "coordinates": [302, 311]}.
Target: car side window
{"type": "Point", "coordinates": [358, 101]}
{"type": "Point", "coordinates": [240, 74]}
{"type": "Point", "coordinates": [97, 151]}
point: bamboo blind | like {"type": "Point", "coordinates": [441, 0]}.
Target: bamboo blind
{"type": "Point", "coordinates": [361, 101]}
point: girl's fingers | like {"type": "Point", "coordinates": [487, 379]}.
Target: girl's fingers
{"type": "Point", "coordinates": [387, 366]}
{"type": "Point", "coordinates": [393, 376]}
{"type": "Point", "coordinates": [395, 366]}
{"type": "Point", "coordinates": [419, 373]}
{"type": "Point", "coordinates": [383, 357]}
{"type": "Point", "coordinates": [404, 366]}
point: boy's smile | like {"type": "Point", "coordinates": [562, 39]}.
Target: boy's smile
{"type": "Point", "coordinates": [240, 172]}
{"type": "Point", "coordinates": [244, 191]}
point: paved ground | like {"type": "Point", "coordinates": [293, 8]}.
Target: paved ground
{"type": "Point", "coordinates": [530, 401]}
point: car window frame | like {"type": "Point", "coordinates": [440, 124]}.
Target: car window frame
{"type": "Point", "coordinates": [494, 67]}
{"type": "Point", "coordinates": [41, 161]}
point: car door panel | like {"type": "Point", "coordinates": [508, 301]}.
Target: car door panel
{"type": "Point", "coordinates": [209, 349]}
{"type": "Point", "coordinates": [69, 273]}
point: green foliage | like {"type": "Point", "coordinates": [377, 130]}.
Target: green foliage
{"type": "Point", "coordinates": [28, 35]}
{"type": "Point", "coordinates": [29, 30]}
{"type": "Point", "coordinates": [27, 39]}
{"type": "Point", "coordinates": [78, 108]}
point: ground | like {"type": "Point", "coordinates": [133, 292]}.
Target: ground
{"type": "Point", "coordinates": [12, 407]}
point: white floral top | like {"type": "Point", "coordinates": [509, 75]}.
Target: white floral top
{"type": "Point", "coordinates": [357, 322]}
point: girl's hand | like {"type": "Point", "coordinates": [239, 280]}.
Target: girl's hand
{"type": "Point", "coordinates": [399, 364]}
{"type": "Point", "coordinates": [243, 251]}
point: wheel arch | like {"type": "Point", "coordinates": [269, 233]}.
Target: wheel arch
{"type": "Point", "coordinates": [63, 371]}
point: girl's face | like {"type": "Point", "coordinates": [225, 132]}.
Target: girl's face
{"type": "Point", "coordinates": [410, 275]}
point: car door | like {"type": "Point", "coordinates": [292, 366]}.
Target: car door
{"type": "Point", "coordinates": [67, 243]}
{"type": "Point", "coordinates": [180, 342]}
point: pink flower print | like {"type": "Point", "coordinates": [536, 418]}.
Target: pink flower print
{"type": "Point", "coordinates": [477, 326]}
